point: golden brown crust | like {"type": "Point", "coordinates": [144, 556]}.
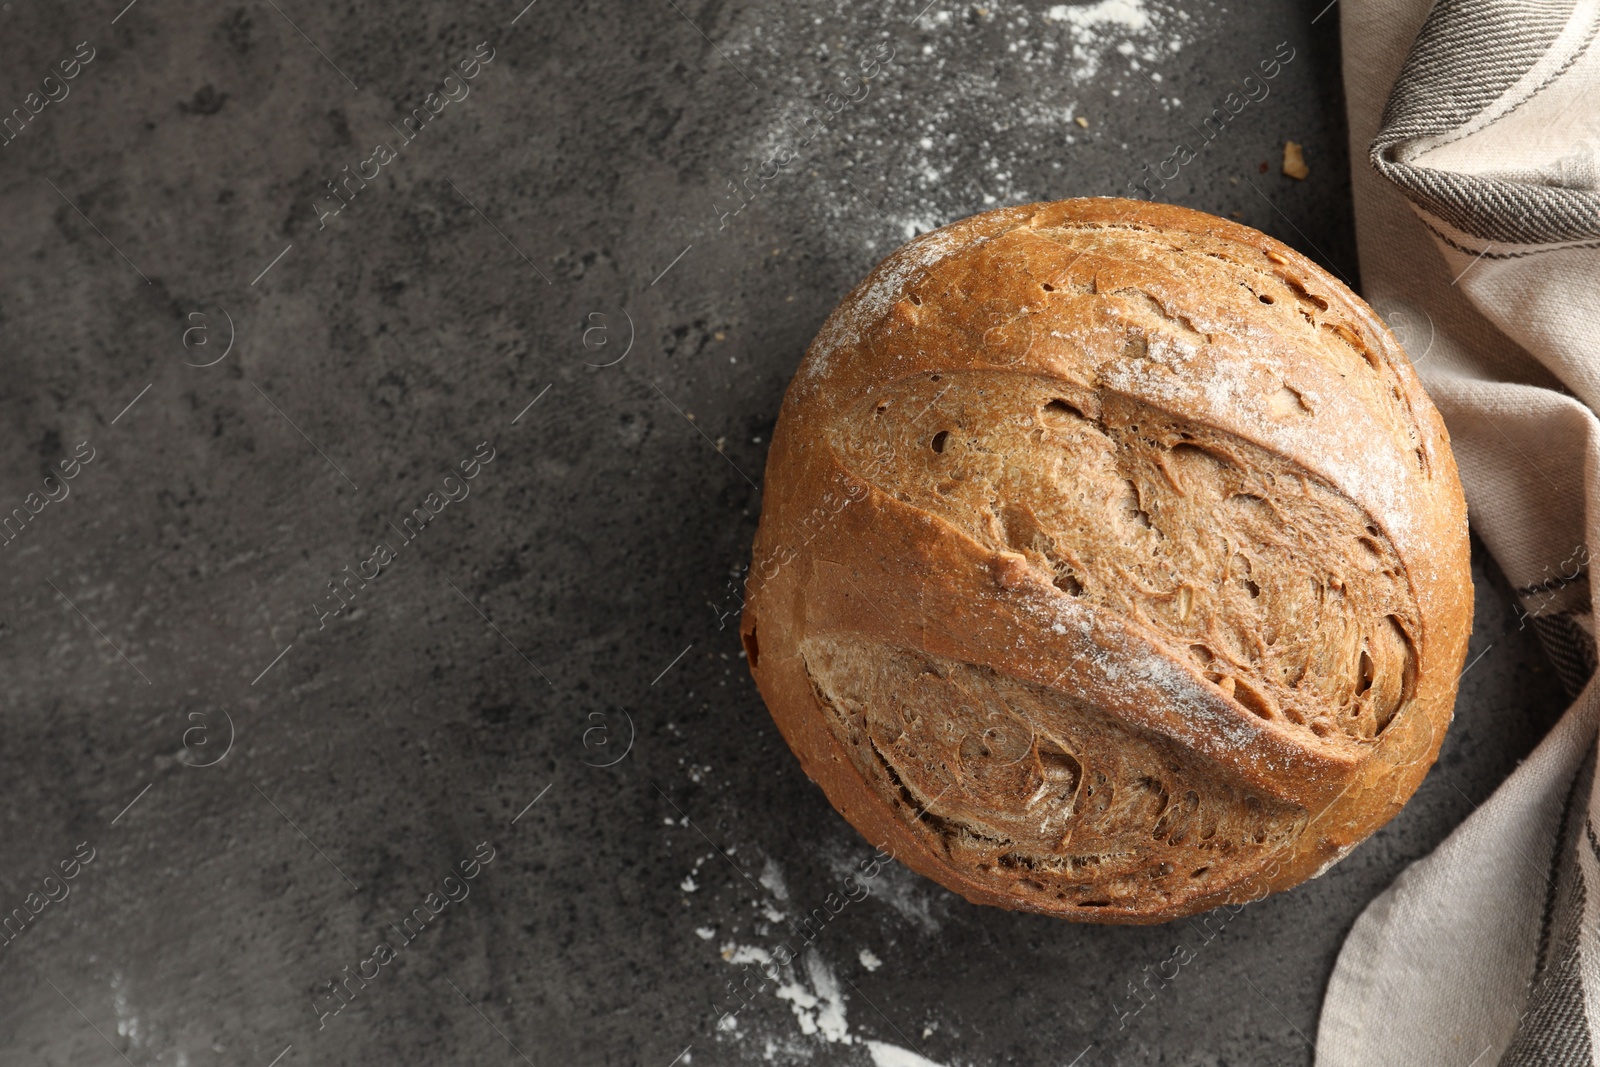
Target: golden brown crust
{"type": "Point", "coordinates": [1113, 563]}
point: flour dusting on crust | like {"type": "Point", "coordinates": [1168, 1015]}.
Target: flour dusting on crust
{"type": "Point", "coordinates": [857, 315]}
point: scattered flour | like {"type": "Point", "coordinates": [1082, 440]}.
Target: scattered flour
{"type": "Point", "coordinates": [820, 1009]}
{"type": "Point", "coordinates": [899, 161]}
{"type": "Point", "coordinates": [802, 1001]}
{"type": "Point", "coordinates": [1130, 14]}
{"type": "Point", "coordinates": [886, 1055]}
{"type": "Point", "coordinates": [127, 1021]}
{"type": "Point", "coordinates": [739, 955]}
{"type": "Point", "coordinates": [910, 896]}
{"type": "Point", "coordinates": [807, 984]}
{"type": "Point", "coordinates": [830, 1009]}
{"type": "Point", "coordinates": [772, 880]}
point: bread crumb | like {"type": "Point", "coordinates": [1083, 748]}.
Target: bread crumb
{"type": "Point", "coordinates": [1081, 121]}
{"type": "Point", "coordinates": [1294, 163]}
{"type": "Point", "coordinates": [869, 960]}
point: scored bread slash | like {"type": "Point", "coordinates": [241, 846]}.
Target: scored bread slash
{"type": "Point", "coordinates": [1294, 161]}
{"type": "Point", "coordinates": [1112, 563]}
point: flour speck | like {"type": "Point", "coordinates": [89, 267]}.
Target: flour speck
{"type": "Point", "coordinates": [887, 1055]}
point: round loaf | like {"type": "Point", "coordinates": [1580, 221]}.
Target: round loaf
{"type": "Point", "coordinates": [1113, 563]}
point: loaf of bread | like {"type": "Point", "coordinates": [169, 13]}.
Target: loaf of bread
{"type": "Point", "coordinates": [1113, 563]}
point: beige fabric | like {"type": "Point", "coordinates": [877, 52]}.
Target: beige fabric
{"type": "Point", "coordinates": [1507, 341]}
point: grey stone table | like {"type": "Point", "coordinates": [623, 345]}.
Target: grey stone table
{"type": "Point", "coordinates": [273, 276]}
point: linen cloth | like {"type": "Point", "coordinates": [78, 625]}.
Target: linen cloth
{"type": "Point", "coordinates": [1475, 146]}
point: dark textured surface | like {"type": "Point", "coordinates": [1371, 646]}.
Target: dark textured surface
{"type": "Point", "coordinates": [531, 623]}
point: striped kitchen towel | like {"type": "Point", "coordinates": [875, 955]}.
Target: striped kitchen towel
{"type": "Point", "coordinates": [1475, 127]}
